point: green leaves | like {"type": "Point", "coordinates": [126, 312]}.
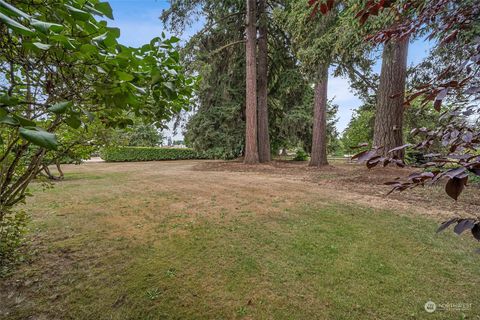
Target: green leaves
{"type": "Point", "coordinates": [15, 25]}
{"type": "Point", "coordinates": [24, 121]}
{"type": "Point", "coordinates": [39, 137]}
{"type": "Point", "coordinates": [60, 107]}
{"type": "Point", "coordinates": [77, 13]}
{"type": "Point", "coordinates": [9, 120]}
{"type": "Point", "coordinates": [106, 80]}
{"type": "Point", "coordinates": [42, 46]}
{"type": "Point", "coordinates": [169, 86]}
{"type": "Point", "coordinates": [101, 37]}
{"type": "Point", "coordinates": [79, 83]}
{"type": "Point", "coordinates": [73, 121]}
{"type": "Point", "coordinates": [45, 27]}
{"type": "Point", "coordinates": [64, 41]}
{"type": "Point", "coordinates": [125, 76]}
{"type": "Point", "coordinates": [105, 8]}
{"type": "Point", "coordinates": [14, 120]}
{"type": "Point", "coordinates": [125, 154]}
{"type": "Point", "coordinates": [7, 100]}
{"type": "Point", "coordinates": [88, 49]}
{"type": "Point", "coordinates": [139, 89]}
{"type": "Point", "coordinates": [8, 13]}
{"type": "Point", "coordinates": [14, 11]}
{"type": "Point", "coordinates": [171, 41]}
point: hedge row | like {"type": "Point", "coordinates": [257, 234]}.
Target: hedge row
{"type": "Point", "coordinates": [124, 154]}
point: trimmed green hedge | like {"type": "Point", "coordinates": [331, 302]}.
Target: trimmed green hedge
{"type": "Point", "coordinates": [124, 154]}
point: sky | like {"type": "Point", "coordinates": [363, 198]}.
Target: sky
{"type": "Point", "coordinates": [139, 22]}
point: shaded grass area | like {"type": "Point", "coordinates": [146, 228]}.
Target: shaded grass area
{"type": "Point", "coordinates": [306, 261]}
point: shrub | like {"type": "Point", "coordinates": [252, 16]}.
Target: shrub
{"type": "Point", "coordinates": [124, 154]}
{"type": "Point", "coordinates": [301, 155]}
{"type": "Point", "coordinates": [415, 158]}
{"type": "Point", "coordinates": [220, 153]}
{"type": "Point", "coordinates": [13, 227]}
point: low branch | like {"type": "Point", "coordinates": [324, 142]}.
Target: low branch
{"type": "Point", "coordinates": [362, 77]}
{"type": "Point", "coordinates": [227, 46]}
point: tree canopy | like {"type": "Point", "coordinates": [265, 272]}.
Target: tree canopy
{"type": "Point", "coordinates": [217, 53]}
{"type": "Point", "coordinates": [61, 68]}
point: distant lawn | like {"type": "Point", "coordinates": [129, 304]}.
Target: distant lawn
{"type": "Point", "coordinates": [111, 248]}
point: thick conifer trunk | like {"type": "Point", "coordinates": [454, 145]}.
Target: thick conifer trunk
{"type": "Point", "coordinates": [319, 138]}
{"type": "Point", "coordinates": [251, 146]}
{"type": "Point", "coordinates": [388, 131]}
{"type": "Point", "coordinates": [262, 82]}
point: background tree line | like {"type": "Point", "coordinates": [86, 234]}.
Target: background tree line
{"type": "Point", "coordinates": [401, 106]}
{"type": "Point", "coordinates": [265, 69]}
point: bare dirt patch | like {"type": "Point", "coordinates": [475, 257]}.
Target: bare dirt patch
{"type": "Point", "coordinates": [354, 183]}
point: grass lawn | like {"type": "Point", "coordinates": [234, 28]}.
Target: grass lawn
{"type": "Point", "coordinates": [163, 241]}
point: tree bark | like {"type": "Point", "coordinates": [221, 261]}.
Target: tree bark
{"type": "Point", "coordinates": [319, 138]}
{"type": "Point", "coordinates": [388, 130]}
{"type": "Point", "coordinates": [262, 83]}
{"type": "Point", "coordinates": [251, 143]}
{"type": "Point", "coordinates": [59, 168]}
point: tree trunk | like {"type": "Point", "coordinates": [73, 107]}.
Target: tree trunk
{"type": "Point", "coordinates": [262, 82]}
{"type": "Point", "coordinates": [251, 143]}
{"type": "Point", "coordinates": [388, 131]}
{"type": "Point", "coordinates": [319, 137]}
{"type": "Point", "coordinates": [47, 171]}
{"type": "Point", "coordinates": [59, 168]}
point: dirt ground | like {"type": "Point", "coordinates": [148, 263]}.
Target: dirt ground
{"type": "Point", "coordinates": [354, 183]}
{"type": "Point", "coordinates": [290, 181]}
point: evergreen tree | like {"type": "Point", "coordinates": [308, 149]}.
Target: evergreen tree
{"type": "Point", "coordinates": [217, 54]}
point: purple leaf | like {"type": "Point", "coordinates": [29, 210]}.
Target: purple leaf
{"type": "Point", "coordinates": [476, 231]}
{"type": "Point", "coordinates": [463, 225]}
{"type": "Point", "coordinates": [455, 186]}
{"type": "Point", "coordinates": [400, 148]}
{"type": "Point", "coordinates": [446, 224]}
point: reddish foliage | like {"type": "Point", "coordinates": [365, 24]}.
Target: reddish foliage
{"type": "Point", "coordinates": [446, 21]}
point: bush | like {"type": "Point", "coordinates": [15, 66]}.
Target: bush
{"type": "Point", "coordinates": [13, 227]}
{"type": "Point", "coordinates": [415, 158]}
{"type": "Point", "coordinates": [220, 153]}
{"type": "Point", "coordinates": [124, 154]}
{"type": "Point", "coordinates": [301, 155]}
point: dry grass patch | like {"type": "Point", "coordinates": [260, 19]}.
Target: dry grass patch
{"type": "Point", "coordinates": [161, 240]}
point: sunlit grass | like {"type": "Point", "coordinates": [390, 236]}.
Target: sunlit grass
{"type": "Point", "coordinates": [114, 257]}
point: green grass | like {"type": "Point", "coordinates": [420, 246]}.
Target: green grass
{"type": "Point", "coordinates": [309, 261]}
